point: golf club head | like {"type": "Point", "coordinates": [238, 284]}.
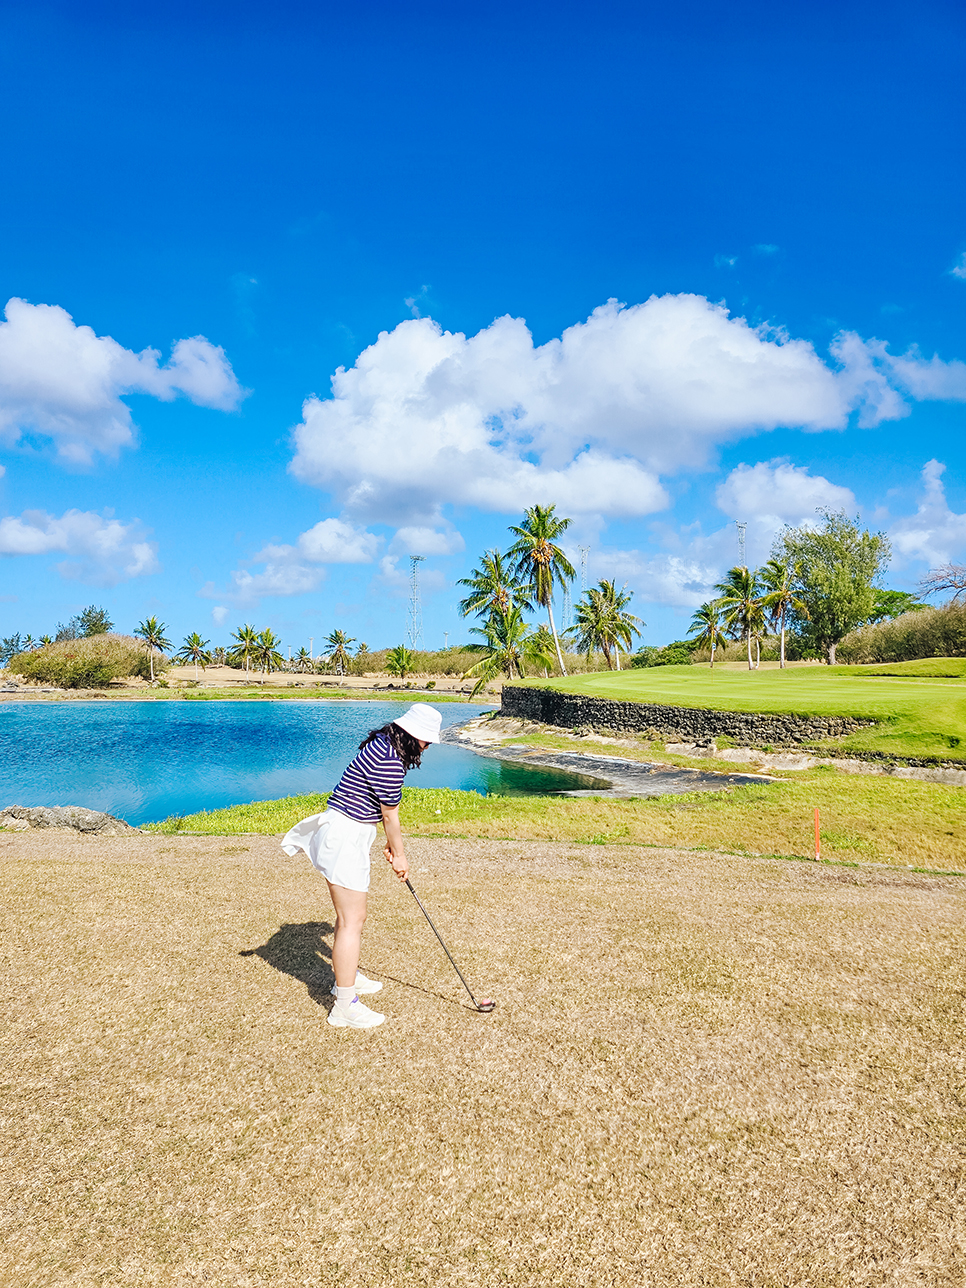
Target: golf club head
{"type": "Point", "coordinates": [486, 1005]}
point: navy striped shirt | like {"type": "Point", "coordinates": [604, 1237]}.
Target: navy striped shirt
{"type": "Point", "coordinates": [373, 779]}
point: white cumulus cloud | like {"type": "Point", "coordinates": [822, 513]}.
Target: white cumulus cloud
{"type": "Point", "coordinates": [245, 589]}
{"type": "Point", "coordinates": [935, 533]}
{"type": "Point", "coordinates": [102, 550]}
{"type": "Point", "coordinates": [426, 541]}
{"type": "Point", "coordinates": [329, 541]}
{"type": "Point", "coordinates": [65, 383]}
{"type": "Point", "coordinates": [427, 417]}
{"type": "Point", "coordinates": [774, 493]}
{"type": "Point", "coordinates": [292, 569]}
{"type": "Point", "coordinates": [219, 614]}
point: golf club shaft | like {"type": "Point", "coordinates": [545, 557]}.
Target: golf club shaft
{"type": "Point", "coordinates": [443, 945]}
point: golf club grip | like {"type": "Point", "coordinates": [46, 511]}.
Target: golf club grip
{"type": "Point", "coordinates": [441, 941]}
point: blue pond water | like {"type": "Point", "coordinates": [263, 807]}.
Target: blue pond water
{"type": "Point", "coordinates": [144, 761]}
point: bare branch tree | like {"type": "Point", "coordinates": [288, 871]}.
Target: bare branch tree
{"type": "Point", "coordinates": [947, 577]}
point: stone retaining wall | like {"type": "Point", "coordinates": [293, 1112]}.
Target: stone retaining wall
{"type": "Point", "coordinates": [684, 724]}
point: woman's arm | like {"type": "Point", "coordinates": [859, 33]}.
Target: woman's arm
{"type": "Point", "coordinates": [394, 849]}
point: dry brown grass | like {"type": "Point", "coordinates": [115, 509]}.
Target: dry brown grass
{"type": "Point", "coordinates": [703, 1070]}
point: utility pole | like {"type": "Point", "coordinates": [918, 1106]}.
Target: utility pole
{"type": "Point", "coordinates": [311, 650]}
{"type": "Point", "coordinates": [742, 527]}
{"type": "Point", "coordinates": [415, 607]}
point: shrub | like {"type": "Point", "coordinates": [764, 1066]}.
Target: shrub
{"type": "Point", "coordinates": [928, 632]}
{"type": "Point", "coordinates": [678, 653]}
{"type": "Point", "coordinates": [90, 663]}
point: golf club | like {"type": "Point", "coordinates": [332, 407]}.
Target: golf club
{"type": "Point", "coordinates": [486, 1004]}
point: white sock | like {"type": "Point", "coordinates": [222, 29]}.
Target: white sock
{"type": "Point", "coordinates": [345, 995]}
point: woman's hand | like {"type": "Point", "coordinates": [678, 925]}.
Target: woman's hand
{"type": "Point", "coordinates": [400, 864]}
{"type": "Point", "coordinates": [394, 849]}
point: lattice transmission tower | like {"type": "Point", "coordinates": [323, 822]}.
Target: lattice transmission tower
{"type": "Point", "coordinates": [415, 607]}
{"type": "Point", "coordinates": [742, 528]}
{"type": "Point", "coordinates": [584, 553]}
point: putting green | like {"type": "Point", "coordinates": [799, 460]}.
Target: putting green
{"type": "Point", "coordinates": [919, 707]}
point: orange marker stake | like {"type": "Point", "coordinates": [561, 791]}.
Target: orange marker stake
{"type": "Point", "coordinates": [818, 841]}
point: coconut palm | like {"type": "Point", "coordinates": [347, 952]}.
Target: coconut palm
{"type": "Point", "coordinates": [46, 639]}
{"type": "Point", "coordinates": [152, 632]}
{"type": "Point", "coordinates": [743, 614]}
{"type": "Point", "coordinates": [508, 646]}
{"type": "Point", "coordinates": [778, 578]}
{"type": "Point", "coordinates": [246, 642]}
{"type": "Point", "coordinates": [338, 643]}
{"type": "Point", "coordinates": [622, 625]}
{"type": "Point", "coordinates": [707, 621]}
{"type": "Point", "coordinates": [539, 563]}
{"type": "Point", "coordinates": [493, 587]}
{"type": "Point", "coordinates": [543, 645]}
{"type": "Point", "coordinates": [194, 649]}
{"type": "Point", "coordinates": [302, 660]}
{"type": "Point", "coordinates": [602, 622]}
{"type": "Point", "coordinates": [400, 661]}
{"type": "Point", "coordinates": [266, 653]}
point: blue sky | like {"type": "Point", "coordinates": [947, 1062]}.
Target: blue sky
{"type": "Point", "coordinates": [441, 200]}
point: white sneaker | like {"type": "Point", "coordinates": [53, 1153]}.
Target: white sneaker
{"type": "Point", "coordinates": [362, 985]}
{"type": "Point", "coordinates": [354, 1015]}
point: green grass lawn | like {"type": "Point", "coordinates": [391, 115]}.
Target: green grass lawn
{"type": "Point", "coordinates": [920, 707]}
{"type": "Point", "coordinates": [864, 818]}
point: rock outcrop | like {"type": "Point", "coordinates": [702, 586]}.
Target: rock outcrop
{"type": "Point", "coordinates": [18, 818]}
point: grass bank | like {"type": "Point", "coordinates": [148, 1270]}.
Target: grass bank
{"type": "Point", "coordinates": [863, 819]}
{"type": "Point", "coordinates": [919, 707]}
{"type": "Point", "coordinates": [701, 1071]}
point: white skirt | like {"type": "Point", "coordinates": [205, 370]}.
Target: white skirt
{"type": "Point", "coordinates": [337, 846]}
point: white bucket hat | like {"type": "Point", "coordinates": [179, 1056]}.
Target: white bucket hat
{"type": "Point", "coordinates": [422, 721]}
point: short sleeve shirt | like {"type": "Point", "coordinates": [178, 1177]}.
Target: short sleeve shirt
{"type": "Point", "coordinates": [373, 779]}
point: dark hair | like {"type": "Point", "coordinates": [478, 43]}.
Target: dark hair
{"type": "Point", "coordinates": [407, 748]}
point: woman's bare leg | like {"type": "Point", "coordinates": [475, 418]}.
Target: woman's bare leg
{"type": "Point", "coordinates": [350, 917]}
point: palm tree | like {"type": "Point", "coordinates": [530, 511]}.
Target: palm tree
{"type": "Point", "coordinates": [400, 661]}
{"type": "Point", "coordinates": [508, 646]}
{"type": "Point", "coordinates": [247, 642]}
{"type": "Point", "coordinates": [194, 649]}
{"type": "Point", "coordinates": [267, 653]}
{"type": "Point", "coordinates": [621, 624]}
{"type": "Point", "coordinates": [602, 622]}
{"type": "Point", "coordinates": [742, 610]}
{"type": "Point", "coordinates": [494, 588]}
{"type": "Point", "coordinates": [542, 642]}
{"type": "Point", "coordinates": [539, 562]}
{"type": "Point", "coordinates": [152, 632]}
{"type": "Point", "coordinates": [46, 639]}
{"type": "Point", "coordinates": [338, 643]}
{"type": "Point", "coordinates": [707, 620]}
{"type": "Point", "coordinates": [777, 578]}
{"type": "Point", "coordinates": [303, 660]}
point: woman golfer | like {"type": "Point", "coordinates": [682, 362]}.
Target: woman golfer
{"type": "Point", "coordinates": [338, 843]}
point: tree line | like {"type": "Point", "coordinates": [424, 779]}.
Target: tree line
{"type": "Point", "coordinates": [819, 584]}
{"type": "Point", "coordinates": [817, 587]}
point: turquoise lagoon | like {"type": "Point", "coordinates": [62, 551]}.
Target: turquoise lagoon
{"type": "Point", "coordinates": [145, 761]}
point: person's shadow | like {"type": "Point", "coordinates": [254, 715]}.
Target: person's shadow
{"type": "Point", "coordinates": [300, 951]}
